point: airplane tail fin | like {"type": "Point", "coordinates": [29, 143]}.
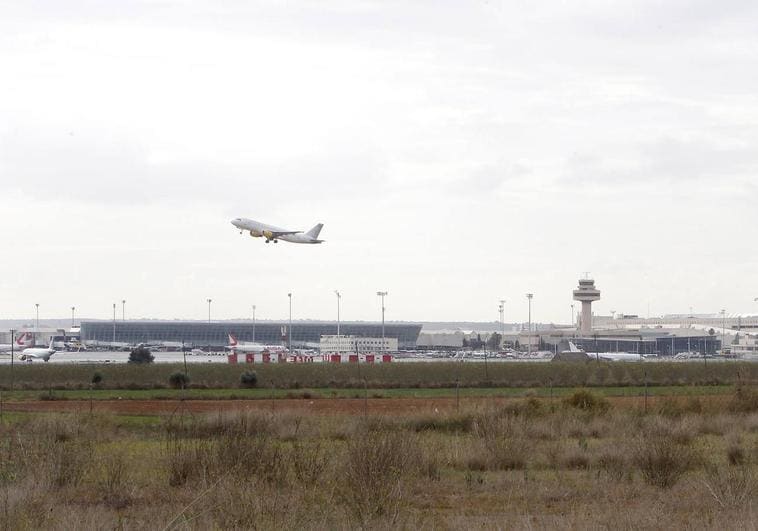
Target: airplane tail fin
{"type": "Point", "coordinates": [315, 231]}
{"type": "Point", "coordinates": [572, 347]}
{"type": "Point", "coordinates": [232, 340]}
{"type": "Point", "coordinates": [24, 339]}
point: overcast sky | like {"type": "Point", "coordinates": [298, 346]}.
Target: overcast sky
{"type": "Point", "coordinates": [458, 153]}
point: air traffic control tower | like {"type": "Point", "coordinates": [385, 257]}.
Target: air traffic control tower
{"type": "Point", "coordinates": [586, 294]}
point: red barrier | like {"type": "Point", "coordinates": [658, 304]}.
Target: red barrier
{"type": "Point", "coordinates": [249, 358]}
{"type": "Point", "coordinates": [353, 358]}
{"type": "Point", "coordinates": [266, 357]}
{"type": "Point", "coordinates": [232, 358]}
{"type": "Point", "coordinates": [369, 358]}
{"type": "Point", "coordinates": [386, 358]}
{"type": "Point", "coordinates": [335, 358]}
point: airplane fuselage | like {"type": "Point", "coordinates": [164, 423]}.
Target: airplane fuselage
{"type": "Point", "coordinates": [272, 233]}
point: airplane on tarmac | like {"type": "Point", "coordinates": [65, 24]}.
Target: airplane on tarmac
{"type": "Point", "coordinates": [607, 356]}
{"type": "Point", "coordinates": [44, 354]}
{"type": "Point", "coordinates": [271, 233]}
{"type": "Point", "coordinates": [252, 347]}
{"type": "Point", "coordinates": [23, 340]}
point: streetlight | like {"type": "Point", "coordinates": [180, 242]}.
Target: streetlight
{"type": "Point", "coordinates": [13, 340]}
{"type": "Point", "coordinates": [209, 310]}
{"type": "Point", "coordinates": [123, 309]}
{"type": "Point", "coordinates": [36, 324]}
{"type": "Point", "coordinates": [209, 324]}
{"type": "Point", "coordinates": [572, 315]}
{"type": "Point", "coordinates": [502, 320]}
{"type": "Point", "coordinates": [339, 345]}
{"type": "Point", "coordinates": [723, 329]}
{"type": "Point", "coordinates": [253, 323]}
{"type": "Point", "coordinates": [529, 333]}
{"type": "Point", "coordinates": [73, 309]}
{"type": "Point", "coordinates": [382, 294]}
{"type": "Point", "coordinates": [289, 331]}
{"type": "Point", "coordinates": [114, 325]}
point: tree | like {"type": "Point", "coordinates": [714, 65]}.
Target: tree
{"type": "Point", "coordinates": [493, 342]}
{"type": "Point", "coordinates": [141, 355]}
{"type": "Point", "coordinates": [248, 379]}
{"type": "Point", "coordinates": [178, 380]}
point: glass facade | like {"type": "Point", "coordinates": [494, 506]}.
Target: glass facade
{"type": "Point", "coordinates": [215, 334]}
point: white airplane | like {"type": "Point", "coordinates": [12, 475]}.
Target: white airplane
{"type": "Point", "coordinates": [261, 230]}
{"type": "Point", "coordinates": [252, 347]}
{"type": "Point", "coordinates": [607, 356]}
{"type": "Point", "coordinates": [24, 340]}
{"type": "Point", "coordinates": [38, 353]}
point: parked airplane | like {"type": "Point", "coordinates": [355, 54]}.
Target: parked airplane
{"type": "Point", "coordinates": [38, 353]}
{"type": "Point", "coordinates": [607, 356]}
{"type": "Point", "coordinates": [261, 230]}
{"type": "Point", "coordinates": [24, 340]}
{"type": "Point", "coordinates": [252, 347]}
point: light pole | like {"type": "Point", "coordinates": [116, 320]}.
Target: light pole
{"type": "Point", "coordinates": [209, 310]}
{"type": "Point", "coordinates": [253, 323]}
{"type": "Point", "coordinates": [723, 329]}
{"type": "Point", "coordinates": [529, 333]}
{"type": "Point", "coordinates": [36, 323]}
{"type": "Point", "coordinates": [123, 309]}
{"type": "Point", "coordinates": [209, 324]}
{"type": "Point", "coordinates": [502, 320]}
{"type": "Point", "coordinates": [572, 315]}
{"type": "Point", "coordinates": [289, 330]}
{"type": "Point", "coordinates": [382, 294]}
{"type": "Point", "coordinates": [73, 309]}
{"type": "Point", "coordinates": [13, 340]}
{"type": "Point", "coordinates": [339, 345]}
{"type": "Point", "coordinates": [114, 325]}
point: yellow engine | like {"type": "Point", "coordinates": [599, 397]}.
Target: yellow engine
{"type": "Point", "coordinates": [256, 234]}
{"type": "Point", "coordinates": [268, 234]}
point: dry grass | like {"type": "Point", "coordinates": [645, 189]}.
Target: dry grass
{"type": "Point", "coordinates": [524, 464]}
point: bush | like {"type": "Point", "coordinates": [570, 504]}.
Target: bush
{"type": "Point", "coordinates": [587, 401]}
{"type": "Point", "coordinates": [96, 378]}
{"type": "Point", "coordinates": [248, 379]}
{"type": "Point", "coordinates": [178, 380]}
{"type": "Point", "coordinates": [141, 355]}
{"type": "Point", "coordinates": [662, 461]}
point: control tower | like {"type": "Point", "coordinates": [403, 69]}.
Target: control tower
{"type": "Point", "coordinates": [586, 294]}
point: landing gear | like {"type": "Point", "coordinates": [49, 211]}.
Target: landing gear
{"type": "Point", "coordinates": [268, 241]}
{"type": "Point", "coordinates": [276, 241]}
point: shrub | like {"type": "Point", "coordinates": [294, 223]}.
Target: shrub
{"type": "Point", "coordinates": [97, 377]}
{"type": "Point", "coordinates": [248, 379]}
{"type": "Point", "coordinates": [745, 400]}
{"type": "Point", "coordinates": [662, 461]}
{"type": "Point", "coordinates": [587, 401]}
{"type": "Point", "coordinates": [178, 380]}
{"type": "Point", "coordinates": [141, 355]}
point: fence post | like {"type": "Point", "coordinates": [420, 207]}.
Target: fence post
{"type": "Point", "coordinates": [644, 373]}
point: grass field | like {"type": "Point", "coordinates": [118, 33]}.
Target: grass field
{"type": "Point", "coordinates": [382, 376]}
{"type": "Point", "coordinates": [577, 462]}
{"type": "Point", "coordinates": [329, 450]}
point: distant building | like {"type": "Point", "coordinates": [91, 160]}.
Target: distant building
{"type": "Point", "coordinates": [215, 333]}
{"type": "Point", "coordinates": [357, 345]}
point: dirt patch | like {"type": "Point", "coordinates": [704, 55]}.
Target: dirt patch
{"type": "Point", "coordinates": [321, 406]}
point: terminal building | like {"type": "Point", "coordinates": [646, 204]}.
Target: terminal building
{"type": "Point", "coordinates": [215, 334]}
{"type": "Point", "coordinates": [357, 345]}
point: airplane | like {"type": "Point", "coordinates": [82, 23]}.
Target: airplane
{"type": "Point", "coordinates": [271, 233]}
{"type": "Point", "coordinates": [252, 347]}
{"type": "Point", "coordinates": [44, 354]}
{"type": "Point", "coordinates": [607, 356]}
{"type": "Point", "coordinates": [24, 340]}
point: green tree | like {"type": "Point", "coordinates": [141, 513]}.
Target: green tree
{"type": "Point", "coordinates": [493, 342]}
{"type": "Point", "coordinates": [141, 355]}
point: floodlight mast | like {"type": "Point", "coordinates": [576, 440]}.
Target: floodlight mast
{"type": "Point", "coordinates": [382, 294]}
{"type": "Point", "coordinates": [339, 345]}
{"type": "Point", "coordinates": [529, 331]}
